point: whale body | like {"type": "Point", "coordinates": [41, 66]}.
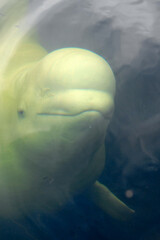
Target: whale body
{"type": "Point", "coordinates": [55, 110]}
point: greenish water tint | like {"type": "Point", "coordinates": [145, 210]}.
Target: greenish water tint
{"type": "Point", "coordinates": [127, 35]}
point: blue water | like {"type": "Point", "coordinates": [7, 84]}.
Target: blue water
{"type": "Point", "coordinates": [127, 34]}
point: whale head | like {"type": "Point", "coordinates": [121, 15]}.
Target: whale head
{"type": "Point", "coordinates": [69, 83]}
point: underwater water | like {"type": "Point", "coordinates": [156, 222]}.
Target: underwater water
{"type": "Point", "coordinates": [127, 34]}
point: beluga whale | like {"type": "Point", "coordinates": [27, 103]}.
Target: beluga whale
{"type": "Point", "coordinates": [55, 110]}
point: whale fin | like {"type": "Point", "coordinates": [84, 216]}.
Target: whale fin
{"type": "Point", "coordinates": [109, 203]}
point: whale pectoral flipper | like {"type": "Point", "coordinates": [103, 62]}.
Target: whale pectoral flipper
{"type": "Point", "coordinates": [108, 202]}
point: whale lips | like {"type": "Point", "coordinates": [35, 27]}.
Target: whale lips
{"type": "Point", "coordinates": [64, 114]}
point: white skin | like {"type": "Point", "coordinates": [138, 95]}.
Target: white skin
{"type": "Point", "coordinates": [57, 113]}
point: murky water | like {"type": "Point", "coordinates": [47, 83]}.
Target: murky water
{"type": "Point", "coordinates": [127, 35]}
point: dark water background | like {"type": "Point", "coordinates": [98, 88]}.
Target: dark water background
{"type": "Point", "coordinates": [127, 34]}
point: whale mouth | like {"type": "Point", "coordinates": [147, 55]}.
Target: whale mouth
{"type": "Point", "coordinates": [64, 114]}
{"type": "Point", "coordinates": [72, 103]}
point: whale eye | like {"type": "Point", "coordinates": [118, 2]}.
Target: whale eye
{"type": "Point", "coordinates": [21, 113]}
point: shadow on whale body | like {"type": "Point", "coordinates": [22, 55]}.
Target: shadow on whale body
{"type": "Point", "coordinates": [56, 109]}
